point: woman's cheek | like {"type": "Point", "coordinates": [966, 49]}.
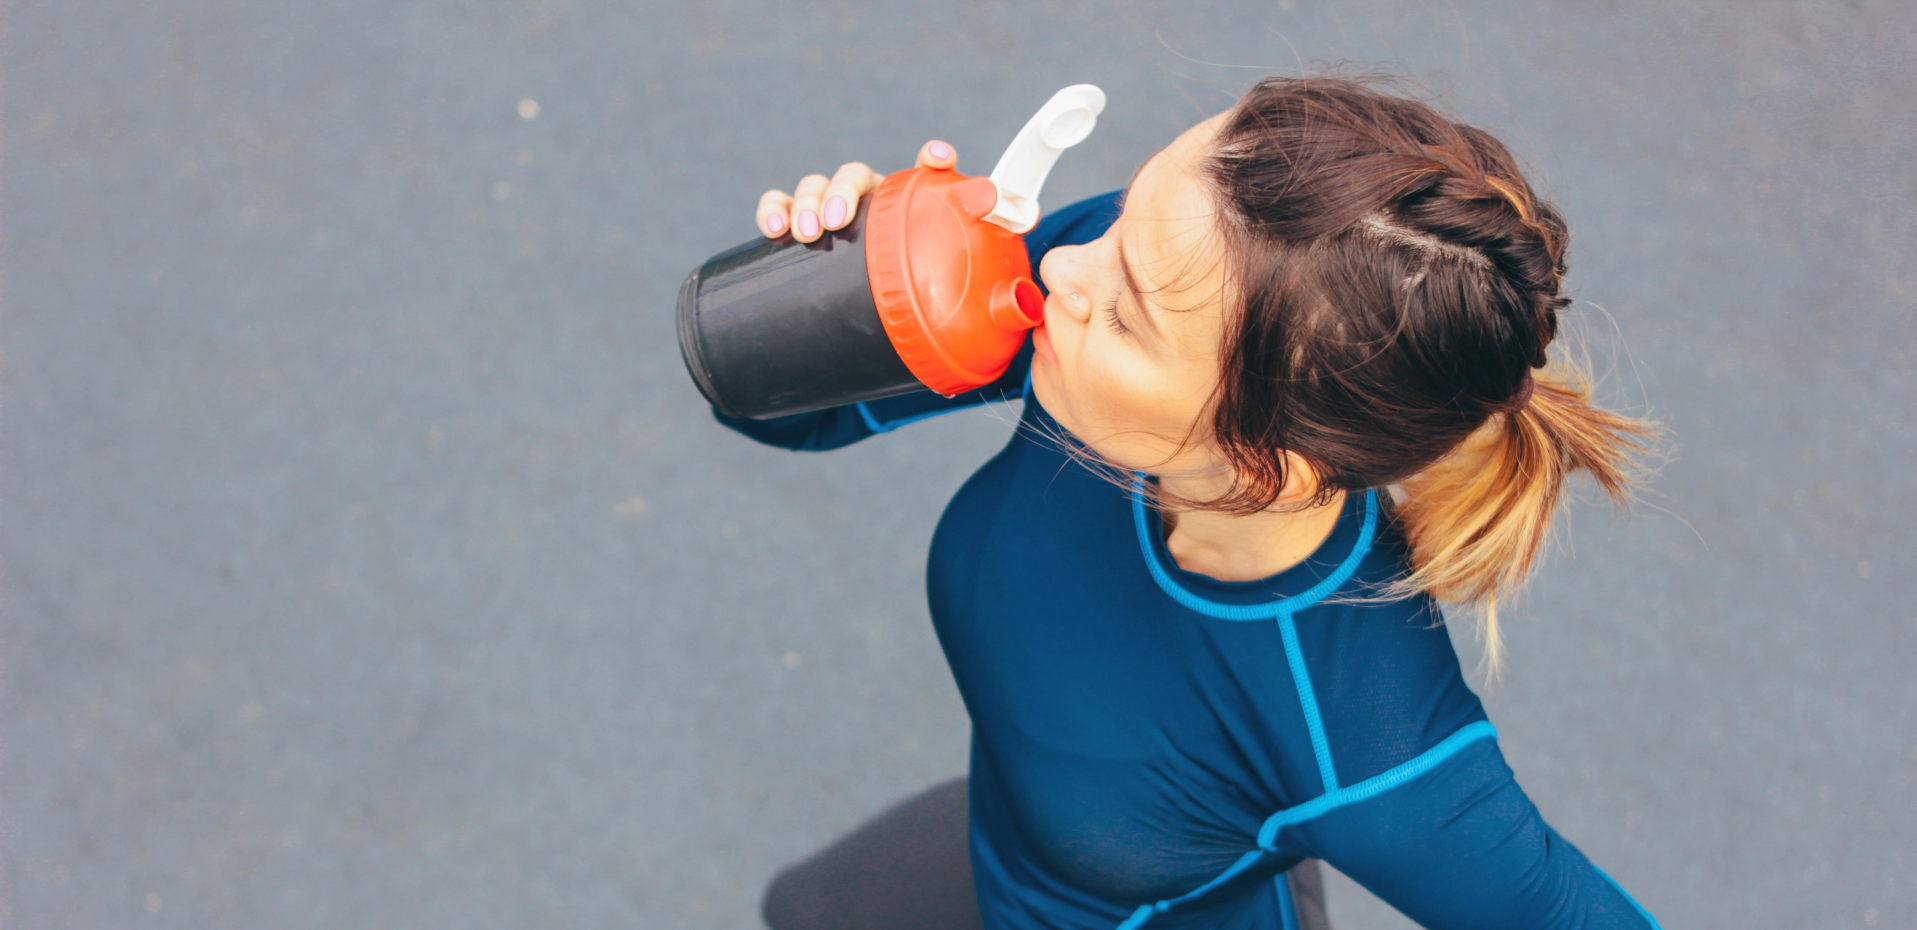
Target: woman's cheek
{"type": "Point", "coordinates": [1126, 384]}
{"type": "Point", "coordinates": [1096, 378]}
{"type": "Point", "coordinates": [1074, 390]}
{"type": "Point", "coordinates": [1117, 409]}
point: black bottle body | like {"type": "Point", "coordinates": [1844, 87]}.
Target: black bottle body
{"type": "Point", "coordinates": [776, 327]}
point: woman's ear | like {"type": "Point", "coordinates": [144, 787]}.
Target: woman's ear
{"type": "Point", "coordinates": [1301, 481]}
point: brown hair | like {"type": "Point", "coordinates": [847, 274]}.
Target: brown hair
{"type": "Point", "coordinates": [1395, 284]}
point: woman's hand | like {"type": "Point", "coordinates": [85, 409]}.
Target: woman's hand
{"type": "Point", "coordinates": [819, 203]}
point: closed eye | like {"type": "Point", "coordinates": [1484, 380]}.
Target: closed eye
{"type": "Point", "coordinates": [1111, 318]}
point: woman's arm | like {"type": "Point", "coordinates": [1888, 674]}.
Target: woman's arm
{"type": "Point", "coordinates": [1461, 846]}
{"type": "Point", "coordinates": [835, 427]}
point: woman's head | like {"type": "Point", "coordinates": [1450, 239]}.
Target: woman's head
{"type": "Point", "coordinates": [1130, 356]}
{"type": "Point", "coordinates": [1326, 289]}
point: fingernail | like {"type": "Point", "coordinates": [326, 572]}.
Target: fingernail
{"type": "Point", "coordinates": [774, 223]}
{"type": "Point", "coordinates": [808, 224]}
{"type": "Point", "coordinates": [939, 150]}
{"type": "Point", "coordinates": [835, 212]}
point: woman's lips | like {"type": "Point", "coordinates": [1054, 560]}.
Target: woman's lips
{"type": "Point", "coordinates": [1042, 345]}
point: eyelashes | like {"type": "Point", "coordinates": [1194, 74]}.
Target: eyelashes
{"type": "Point", "coordinates": [1112, 320]}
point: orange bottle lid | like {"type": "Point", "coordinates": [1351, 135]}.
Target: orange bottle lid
{"type": "Point", "coordinates": [953, 290]}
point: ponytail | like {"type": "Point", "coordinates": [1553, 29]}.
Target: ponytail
{"type": "Point", "coordinates": [1477, 517]}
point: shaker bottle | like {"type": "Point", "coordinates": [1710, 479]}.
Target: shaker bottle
{"type": "Point", "coordinates": [928, 287]}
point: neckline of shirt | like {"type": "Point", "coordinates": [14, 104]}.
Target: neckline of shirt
{"type": "Point", "coordinates": [1325, 570]}
{"type": "Point", "coordinates": [1322, 572]}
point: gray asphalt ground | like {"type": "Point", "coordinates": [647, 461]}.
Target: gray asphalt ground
{"type": "Point", "coordinates": [371, 562]}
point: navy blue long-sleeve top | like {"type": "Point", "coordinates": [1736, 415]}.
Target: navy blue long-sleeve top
{"type": "Point", "coordinates": [1153, 747]}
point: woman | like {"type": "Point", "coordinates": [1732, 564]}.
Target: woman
{"type": "Point", "coordinates": [1196, 634]}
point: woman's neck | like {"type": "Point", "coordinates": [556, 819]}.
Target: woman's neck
{"type": "Point", "coordinates": [1244, 547]}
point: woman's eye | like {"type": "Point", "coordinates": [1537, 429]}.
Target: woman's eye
{"type": "Point", "coordinates": [1111, 318]}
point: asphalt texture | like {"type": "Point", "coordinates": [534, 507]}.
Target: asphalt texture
{"type": "Point", "coordinates": [370, 561]}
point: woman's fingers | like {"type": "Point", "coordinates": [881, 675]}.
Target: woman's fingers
{"type": "Point", "coordinates": [805, 208]}
{"type": "Point", "coordinates": [936, 154]}
{"type": "Point", "coordinates": [819, 203]}
{"type": "Point", "coordinates": [775, 213]}
{"type": "Point", "coordinates": [853, 180]}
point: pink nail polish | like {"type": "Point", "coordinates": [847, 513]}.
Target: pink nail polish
{"type": "Point", "coordinates": [808, 224]}
{"type": "Point", "coordinates": [774, 223]}
{"type": "Point", "coordinates": [835, 212]}
{"type": "Point", "coordinates": [939, 150]}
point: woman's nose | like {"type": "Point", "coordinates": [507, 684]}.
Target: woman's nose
{"type": "Point", "coordinates": [1064, 278]}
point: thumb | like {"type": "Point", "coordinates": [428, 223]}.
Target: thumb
{"type": "Point", "coordinates": [939, 155]}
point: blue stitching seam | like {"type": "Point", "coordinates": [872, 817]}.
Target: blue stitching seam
{"type": "Point", "coordinates": [1291, 604]}
{"type": "Point", "coordinates": [1324, 804]}
{"type": "Point", "coordinates": [1377, 784]}
{"type": "Point", "coordinates": [1308, 700]}
{"type": "Point", "coordinates": [1287, 908]}
{"type": "Point", "coordinates": [871, 421]}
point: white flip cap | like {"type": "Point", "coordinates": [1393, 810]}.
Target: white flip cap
{"type": "Point", "coordinates": [1064, 121]}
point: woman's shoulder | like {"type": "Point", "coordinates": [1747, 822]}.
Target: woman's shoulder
{"type": "Point", "coordinates": [1369, 615]}
{"type": "Point", "coordinates": [1386, 676]}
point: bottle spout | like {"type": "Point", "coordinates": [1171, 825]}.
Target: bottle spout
{"type": "Point", "coordinates": [1064, 121]}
